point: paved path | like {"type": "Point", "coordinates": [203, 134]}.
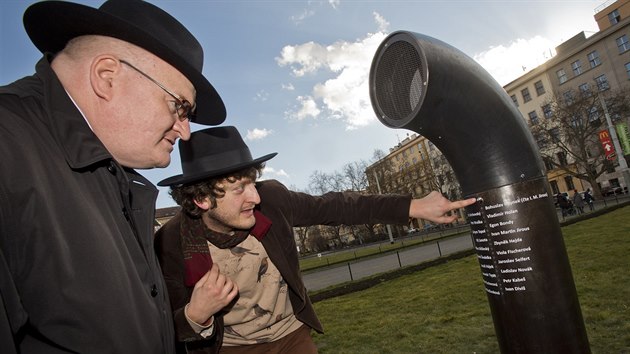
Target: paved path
{"type": "Point", "coordinates": [355, 270]}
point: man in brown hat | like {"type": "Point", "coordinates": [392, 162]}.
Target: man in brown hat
{"type": "Point", "coordinates": [115, 89]}
{"type": "Point", "coordinates": [229, 256]}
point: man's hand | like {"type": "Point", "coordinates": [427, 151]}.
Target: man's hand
{"type": "Point", "coordinates": [211, 293]}
{"type": "Point", "coordinates": [434, 207]}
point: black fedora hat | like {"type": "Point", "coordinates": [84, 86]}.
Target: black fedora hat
{"type": "Point", "coordinates": [212, 152]}
{"type": "Point", "coordinates": [51, 24]}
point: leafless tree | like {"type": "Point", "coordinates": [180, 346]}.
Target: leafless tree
{"type": "Point", "coordinates": [568, 134]}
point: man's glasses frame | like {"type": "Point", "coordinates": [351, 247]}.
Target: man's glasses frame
{"type": "Point", "coordinates": [183, 108]}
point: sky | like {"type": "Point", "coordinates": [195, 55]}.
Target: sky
{"type": "Point", "coordinates": [294, 74]}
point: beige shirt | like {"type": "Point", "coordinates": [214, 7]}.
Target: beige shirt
{"type": "Point", "coordinates": [263, 312]}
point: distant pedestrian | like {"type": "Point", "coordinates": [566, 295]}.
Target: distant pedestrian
{"type": "Point", "coordinates": [588, 198]}
{"type": "Point", "coordinates": [578, 201]}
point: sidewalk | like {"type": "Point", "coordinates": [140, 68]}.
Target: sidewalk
{"type": "Point", "coordinates": [355, 270]}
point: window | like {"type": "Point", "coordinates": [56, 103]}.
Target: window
{"type": "Point", "coordinates": [562, 76]}
{"type": "Point", "coordinates": [516, 101]}
{"type": "Point", "coordinates": [628, 70]}
{"type": "Point", "coordinates": [569, 181]}
{"type": "Point", "coordinates": [555, 134]}
{"type": "Point", "coordinates": [533, 117]}
{"type": "Point", "coordinates": [562, 158]}
{"type": "Point", "coordinates": [540, 140]}
{"type": "Point", "coordinates": [540, 89]}
{"type": "Point", "coordinates": [526, 96]}
{"type": "Point", "coordinates": [568, 96]}
{"type": "Point", "coordinates": [548, 163]}
{"type": "Point", "coordinates": [593, 58]}
{"type": "Point", "coordinates": [602, 83]}
{"type": "Point", "coordinates": [421, 152]}
{"type": "Point", "coordinates": [614, 17]}
{"type": "Point", "coordinates": [577, 67]}
{"type": "Point", "coordinates": [622, 43]}
{"type": "Point", "coordinates": [576, 121]}
{"type": "Point", "coordinates": [554, 186]}
{"type": "Point", "coordinates": [584, 88]}
{"type": "Point", "coordinates": [593, 115]}
{"type": "Point", "coordinates": [547, 112]}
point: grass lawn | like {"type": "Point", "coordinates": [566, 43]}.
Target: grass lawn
{"type": "Point", "coordinates": [444, 309]}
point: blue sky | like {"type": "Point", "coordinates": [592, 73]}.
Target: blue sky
{"type": "Point", "coordinates": [293, 74]}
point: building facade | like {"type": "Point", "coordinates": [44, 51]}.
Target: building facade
{"type": "Point", "coordinates": [598, 62]}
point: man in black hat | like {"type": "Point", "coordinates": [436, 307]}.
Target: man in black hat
{"type": "Point", "coordinates": [115, 89]}
{"type": "Point", "coordinates": [229, 256]}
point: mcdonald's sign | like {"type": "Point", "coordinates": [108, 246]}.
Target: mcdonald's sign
{"type": "Point", "coordinates": [607, 144]}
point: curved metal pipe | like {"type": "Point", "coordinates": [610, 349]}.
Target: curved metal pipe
{"type": "Point", "coordinates": [452, 101]}
{"type": "Point", "coordinates": [427, 86]}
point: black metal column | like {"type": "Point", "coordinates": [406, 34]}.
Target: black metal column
{"type": "Point", "coordinates": [424, 85]}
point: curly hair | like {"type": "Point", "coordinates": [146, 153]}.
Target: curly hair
{"type": "Point", "coordinates": [185, 195]}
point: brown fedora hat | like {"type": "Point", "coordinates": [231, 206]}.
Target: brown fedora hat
{"type": "Point", "coordinates": [212, 152]}
{"type": "Point", "coordinates": [51, 24]}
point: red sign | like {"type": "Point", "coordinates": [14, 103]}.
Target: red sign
{"type": "Point", "coordinates": [607, 144]}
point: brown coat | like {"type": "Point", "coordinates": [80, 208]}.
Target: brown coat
{"type": "Point", "coordinates": [286, 209]}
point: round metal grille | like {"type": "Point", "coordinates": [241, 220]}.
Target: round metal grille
{"type": "Point", "coordinates": [398, 82]}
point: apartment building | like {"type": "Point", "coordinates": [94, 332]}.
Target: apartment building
{"type": "Point", "coordinates": [600, 61]}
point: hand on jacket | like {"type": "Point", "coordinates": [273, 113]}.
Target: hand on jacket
{"type": "Point", "coordinates": [211, 293]}
{"type": "Point", "coordinates": [434, 207]}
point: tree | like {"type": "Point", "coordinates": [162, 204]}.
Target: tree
{"type": "Point", "coordinates": [568, 135]}
{"type": "Point", "coordinates": [354, 175]}
{"type": "Point", "coordinates": [321, 183]}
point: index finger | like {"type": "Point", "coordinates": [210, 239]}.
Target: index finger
{"type": "Point", "coordinates": [463, 203]}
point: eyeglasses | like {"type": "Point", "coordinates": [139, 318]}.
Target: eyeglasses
{"type": "Point", "coordinates": [183, 108]}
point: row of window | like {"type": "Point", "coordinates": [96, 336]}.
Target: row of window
{"type": "Point", "coordinates": [540, 89]}
{"type": "Point", "coordinates": [623, 45]}
{"type": "Point", "coordinates": [594, 60]}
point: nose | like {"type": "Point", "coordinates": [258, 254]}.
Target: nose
{"type": "Point", "coordinates": [252, 194]}
{"type": "Point", "coordinates": [182, 127]}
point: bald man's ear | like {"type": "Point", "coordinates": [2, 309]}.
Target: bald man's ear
{"type": "Point", "coordinates": [103, 72]}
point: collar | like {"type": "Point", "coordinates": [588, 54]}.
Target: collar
{"type": "Point", "coordinates": [80, 145]}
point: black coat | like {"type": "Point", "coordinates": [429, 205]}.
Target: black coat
{"type": "Point", "coordinates": [77, 268]}
{"type": "Point", "coordinates": [286, 209]}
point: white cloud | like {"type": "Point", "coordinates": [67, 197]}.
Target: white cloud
{"type": "Point", "coordinates": [297, 19]}
{"type": "Point", "coordinates": [382, 23]}
{"type": "Point", "coordinates": [261, 96]}
{"type": "Point", "coordinates": [334, 3]}
{"type": "Point", "coordinates": [345, 95]}
{"type": "Point", "coordinates": [507, 63]}
{"type": "Point", "coordinates": [273, 173]}
{"type": "Point", "coordinates": [307, 107]}
{"type": "Point", "coordinates": [257, 134]}
{"type": "Point", "coordinates": [288, 87]}
{"type": "Point", "coordinates": [304, 58]}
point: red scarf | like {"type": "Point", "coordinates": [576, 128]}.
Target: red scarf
{"type": "Point", "coordinates": [195, 235]}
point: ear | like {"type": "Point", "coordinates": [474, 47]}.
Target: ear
{"type": "Point", "coordinates": [103, 72]}
{"type": "Point", "coordinates": [203, 203]}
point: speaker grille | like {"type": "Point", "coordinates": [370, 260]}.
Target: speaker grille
{"type": "Point", "coordinates": [399, 83]}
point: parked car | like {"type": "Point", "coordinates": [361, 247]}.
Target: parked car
{"type": "Point", "coordinates": [609, 191]}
